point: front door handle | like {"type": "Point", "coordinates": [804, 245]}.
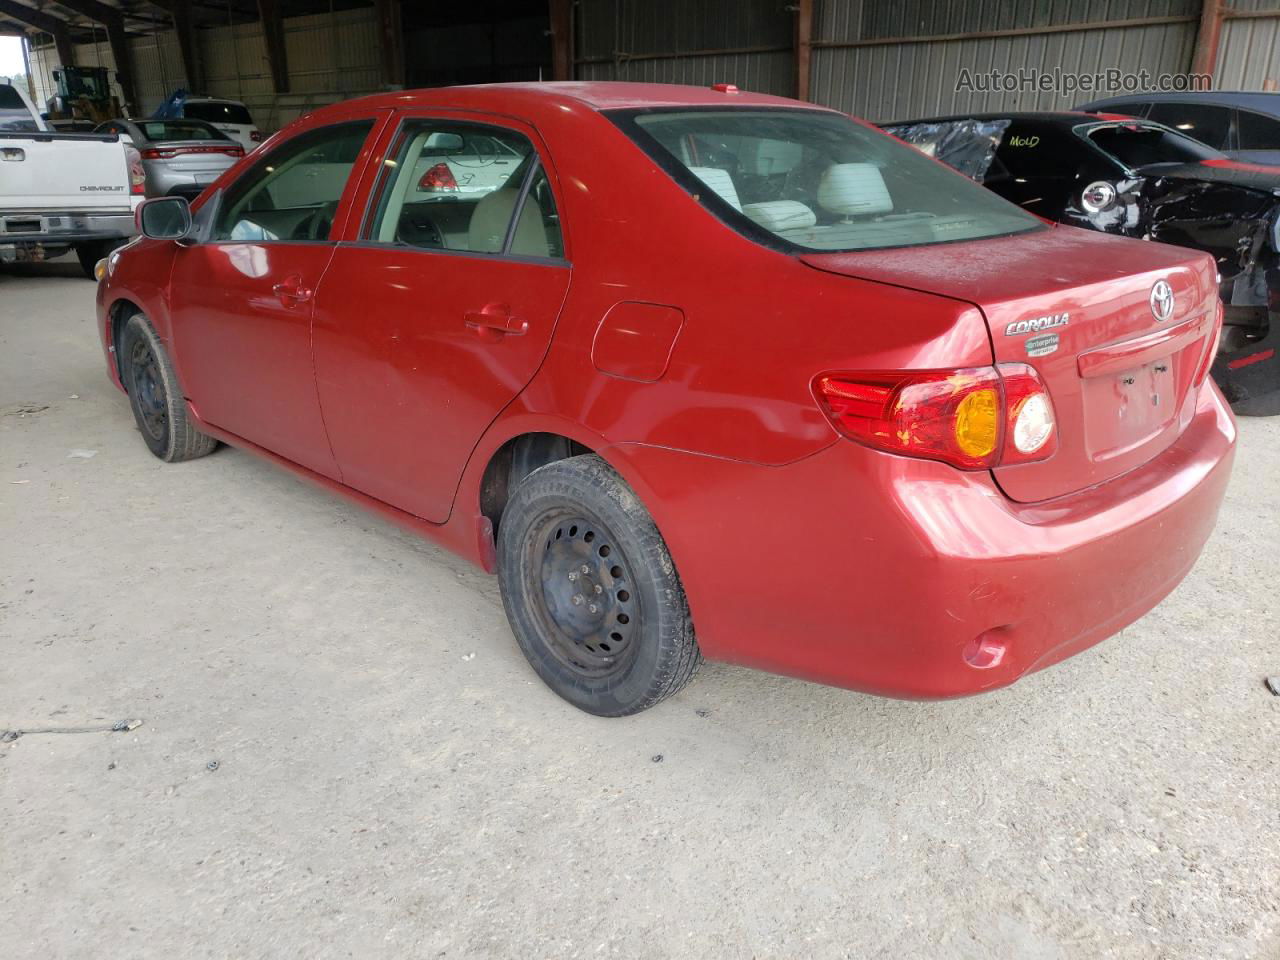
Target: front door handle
{"type": "Point", "coordinates": [494, 320]}
{"type": "Point", "coordinates": [291, 292]}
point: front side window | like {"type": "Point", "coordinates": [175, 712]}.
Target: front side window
{"type": "Point", "coordinates": [1138, 145]}
{"type": "Point", "coordinates": [817, 180]}
{"type": "Point", "coordinates": [292, 193]}
{"type": "Point", "coordinates": [455, 186]}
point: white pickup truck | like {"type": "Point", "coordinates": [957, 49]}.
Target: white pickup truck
{"type": "Point", "coordinates": [61, 191]}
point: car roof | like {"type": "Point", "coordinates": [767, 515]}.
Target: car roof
{"type": "Point", "coordinates": [1261, 101]}
{"type": "Point", "coordinates": [1065, 118]}
{"type": "Point", "coordinates": [536, 97]}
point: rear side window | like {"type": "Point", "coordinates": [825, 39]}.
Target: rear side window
{"type": "Point", "coordinates": [815, 180]}
{"type": "Point", "coordinates": [292, 193]}
{"type": "Point", "coordinates": [14, 115]}
{"type": "Point", "coordinates": [457, 186]}
{"type": "Point", "coordinates": [218, 112]}
{"type": "Point", "coordinates": [1032, 151]}
{"type": "Point", "coordinates": [1209, 124]}
{"type": "Point", "coordinates": [1257, 132]}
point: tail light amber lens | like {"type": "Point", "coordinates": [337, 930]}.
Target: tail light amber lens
{"type": "Point", "coordinates": [973, 418]}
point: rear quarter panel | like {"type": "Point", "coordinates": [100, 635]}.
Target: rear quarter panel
{"type": "Point", "coordinates": [759, 324]}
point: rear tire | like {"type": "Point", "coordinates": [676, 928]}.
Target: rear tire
{"type": "Point", "coordinates": [158, 405]}
{"type": "Point", "coordinates": [591, 592]}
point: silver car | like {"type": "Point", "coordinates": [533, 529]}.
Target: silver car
{"type": "Point", "coordinates": [180, 157]}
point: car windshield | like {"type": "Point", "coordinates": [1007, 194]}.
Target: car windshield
{"type": "Point", "coordinates": [217, 111]}
{"type": "Point", "coordinates": [167, 130]}
{"type": "Point", "coordinates": [818, 181]}
{"type": "Point", "coordinates": [1137, 145]}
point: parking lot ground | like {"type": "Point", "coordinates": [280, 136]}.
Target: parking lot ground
{"type": "Point", "coordinates": [343, 753]}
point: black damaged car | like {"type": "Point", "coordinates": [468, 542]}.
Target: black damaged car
{"type": "Point", "coordinates": [1140, 179]}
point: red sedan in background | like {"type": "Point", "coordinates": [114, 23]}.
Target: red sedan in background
{"type": "Point", "coordinates": [701, 374]}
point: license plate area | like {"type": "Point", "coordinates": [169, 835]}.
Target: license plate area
{"type": "Point", "coordinates": [1130, 408]}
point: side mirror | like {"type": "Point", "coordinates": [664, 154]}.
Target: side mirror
{"type": "Point", "coordinates": [164, 218]}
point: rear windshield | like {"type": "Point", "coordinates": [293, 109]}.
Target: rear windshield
{"type": "Point", "coordinates": [1138, 146]}
{"type": "Point", "coordinates": [14, 115]}
{"type": "Point", "coordinates": [217, 111]}
{"type": "Point", "coordinates": [818, 181]}
{"type": "Point", "coordinates": [157, 130]}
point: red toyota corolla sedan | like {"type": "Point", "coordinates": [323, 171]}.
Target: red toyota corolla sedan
{"type": "Point", "coordinates": [696, 373]}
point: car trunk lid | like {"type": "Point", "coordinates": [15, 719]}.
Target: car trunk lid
{"type": "Point", "coordinates": [1076, 306]}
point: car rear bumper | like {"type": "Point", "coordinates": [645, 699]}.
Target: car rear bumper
{"type": "Point", "coordinates": [66, 226]}
{"type": "Point", "coordinates": [910, 579]}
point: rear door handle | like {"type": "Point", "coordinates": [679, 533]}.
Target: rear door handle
{"type": "Point", "coordinates": [291, 292]}
{"type": "Point", "coordinates": [495, 320]}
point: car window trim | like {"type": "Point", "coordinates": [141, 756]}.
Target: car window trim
{"type": "Point", "coordinates": [363, 238]}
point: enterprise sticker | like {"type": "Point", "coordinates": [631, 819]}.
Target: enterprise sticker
{"type": "Point", "coordinates": [1042, 346]}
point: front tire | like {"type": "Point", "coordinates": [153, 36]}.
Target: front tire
{"type": "Point", "coordinates": [158, 405]}
{"type": "Point", "coordinates": [592, 595]}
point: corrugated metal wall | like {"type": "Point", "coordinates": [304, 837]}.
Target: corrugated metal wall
{"type": "Point", "coordinates": [1249, 54]}
{"type": "Point", "coordinates": [666, 41]}
{"type": "Point", "coordinates": [860, 64]}
{"type": "Point", "coordinates": [330, 59]}
{"type": "Point", "coordinates": [887, 81]}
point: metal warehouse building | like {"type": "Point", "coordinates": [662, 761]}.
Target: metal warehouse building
{"type": "Point", "coordinates": [881, 60]}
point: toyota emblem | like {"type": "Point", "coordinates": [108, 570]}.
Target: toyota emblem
{"type": "Point", "coordinates": [1162, 301]}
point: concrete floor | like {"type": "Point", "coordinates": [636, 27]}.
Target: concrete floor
{"type": "Point", "coordinates": [392, 780]}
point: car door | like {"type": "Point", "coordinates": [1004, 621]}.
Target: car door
{"type": "Point", "coordinates": [438, 311]}
{"type": "Point", "coordinates": [241, 301]}
{"type": "Point", "coordinates": [1037, 166]}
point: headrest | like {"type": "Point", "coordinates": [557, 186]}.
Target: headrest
{"type": "Point", "coordinates": [779, 215]}
{"type": "Point", "coordinates": [854, 188]}
{"type": "Point", "coordinates": [719, 181]}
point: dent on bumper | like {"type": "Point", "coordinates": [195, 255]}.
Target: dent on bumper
{"type": "Point", "coordinates": [910, 579]}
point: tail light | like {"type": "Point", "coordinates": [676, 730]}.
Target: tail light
{"type": "Point", "coordinates": [153, 153]}
{"type": "Point", "coordinates": [975, 418]}
{"type": "Point", "coordinates": [255, 136]}
{"type": "Point", "coordinates": [439, 177]}
{"type": "Point", "coordinates": [137, 175]}
{"type": "Point", "coordinates": [1206, 362]}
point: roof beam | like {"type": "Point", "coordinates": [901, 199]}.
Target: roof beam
{"type": "Point", "coordinates": [54, 26]}
{"type": "Point", "coordinates": [273, 34]}
{"type": "Point", "coordinates": [113, 20]}
{"type": "Point", "coordinates": [391, 39]}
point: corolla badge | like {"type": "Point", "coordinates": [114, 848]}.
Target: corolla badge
{"type": "Point", "coordinates": [1036, 324]}
{"type": "Point", "coordinates": [1162, 301]}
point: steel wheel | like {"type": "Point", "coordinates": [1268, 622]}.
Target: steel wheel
{"type": "Point", "coordinates": [147, 385]}
{"type": "Point", "coordinates": [585, 602]}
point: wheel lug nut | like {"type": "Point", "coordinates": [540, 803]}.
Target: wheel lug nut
{"type": "Point", "coordinates": [577, 599]}
{"type": "Point", "coordinates": [593, 608]}
{"type": "Point", "coordinates": [585, 568]}
{"type": "Point", "coordinates": [573, 576]}
{"type": "Point", "coordinates": [599, 589]}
